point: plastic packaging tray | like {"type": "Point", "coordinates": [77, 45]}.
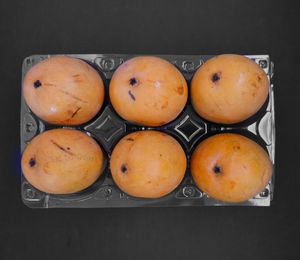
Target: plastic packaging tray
{"type": "Point", "coordinates": [108, 128]}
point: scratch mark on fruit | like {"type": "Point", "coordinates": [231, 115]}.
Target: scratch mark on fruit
{"type": "Point", "coordinates": [72, 96]}
{"type": "Point", "coordinates": [77, 78]}
{"type": "Point", "coordinates": [61, 147]}
{"type": "Point", "coordinates": [151, 81]}
{"type": "Point", "coordinates": [46, 168]}
{"type": "Point", "coordinates": [49, 84]}
{"type": "Point", "coordinates": [130, 139]}
{"type": "Point", "coordinates": [87, 66]}
{"type": "Point", "coordinates": [131, 95]}
{"type": "Point", "coordinates": [263, 177]}
{"type": "Point", "coordinates": [75, 112]}
{"type": "Point", "coordinates": [216, 104]}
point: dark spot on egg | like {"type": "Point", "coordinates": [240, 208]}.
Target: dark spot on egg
{"type": "Point", "coordinates": [217, 169]}
{"type": "Point", "coordinates": [133, 81]}
{"type": "Point", "coordinates": [215, 77]}
{"type": "Point", "coordinates": [37, 84]}
{"type": "Point", "coordinates": [32, 162]}
{"type": "Point", "coordinates": [123, 168]}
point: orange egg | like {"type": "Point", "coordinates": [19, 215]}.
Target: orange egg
{"type": "Point", "coordinates": [62, 161]}
{"type": "Point", "coordinates": [148, 91]}
{"type": "Point", "coordinates": [229, 89]}
{"type": "Point", "coordinates": [230, 167]}
{"type": "Point", "coordinates": [148, 164]}
{"type": "Point", "coordinates": [63, 90]}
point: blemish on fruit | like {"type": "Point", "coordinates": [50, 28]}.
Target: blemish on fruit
{"type": "Point", "coordinates": [216, 77]}
{"type": "Point", "coordinates": [232, 184]}
{"type": "Point", "coordinates": [180, 90]}
{"type": "Point", "coordinates": [49, 84]}
{"type": "Point", "coordinates": [254, 85]}
{"type": "Point", "coordinates": [72, 96]}
{"type": "Point", "coordinates": [75, 112]}
{"type": "Point", "coordinates": [61, 147]}
{"type": "Point", "coordinates": [131, 95]}
{"type": "Point", "coordinates": [32, 162]}
{"type": "Point", "coordinates": [77, 78]}
{"type": "Point", "coordinates": [165, 105]}
{"type": "Point", "coordinates": [258, 78]}
{"type": "Point", "coordinates": [130, 139]}
{"type": "Point", "coordinates": [123, 168]}
{"type": "Point", "coordinates": [217, 169]}
{"type": "Point", "coordinates": [37, 84]}
{"type": "Point", "coordinates": [236, 147]}
{"type": "Point", "coordinates": [133, 81]}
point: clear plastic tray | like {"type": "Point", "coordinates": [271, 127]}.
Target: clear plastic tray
{"type": "Point", "coordinates": [188, 128]}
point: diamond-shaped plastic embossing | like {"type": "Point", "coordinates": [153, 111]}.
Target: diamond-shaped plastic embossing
{"type": "Point", "coordinates": [108, 127]}
{"type": "Point", "coordinates": [188, 128]}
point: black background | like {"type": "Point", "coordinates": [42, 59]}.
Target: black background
{"type": "Point", "coordinates": [181, 27]}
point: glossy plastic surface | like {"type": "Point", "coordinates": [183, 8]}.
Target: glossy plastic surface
{"type": "Point", "coordinates": [188, 128]}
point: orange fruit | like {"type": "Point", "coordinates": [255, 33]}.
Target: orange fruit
{"type": "Point", "coordinates": [229, 89]}
{"type": "Point", "coordinates": [230, 167]}
{"type": "Point", "coordinates": [148, 164]}
{"type": "Point", "coordinates": [63, 90]}
{"type": "Point", "coordinates": [148, 91]}
{"type": "Point", "coordinates": [62, 161]}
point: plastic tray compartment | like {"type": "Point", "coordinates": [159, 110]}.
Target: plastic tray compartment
{"type": "Point", "coordinates": [108, 128]}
